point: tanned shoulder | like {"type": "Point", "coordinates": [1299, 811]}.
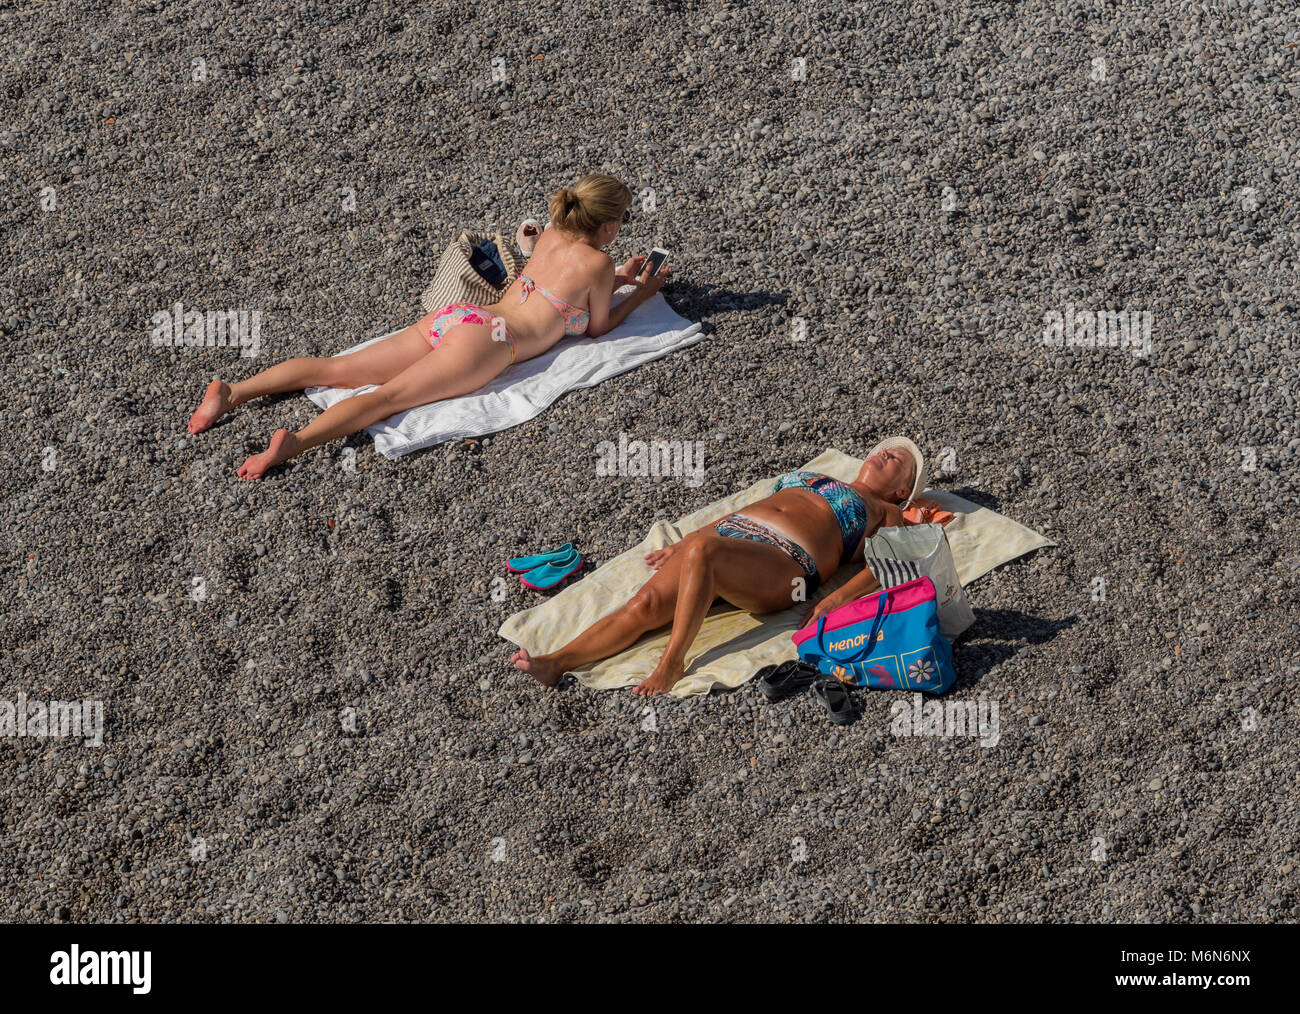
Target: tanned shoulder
{"type": "Point", "coordinates": [893, 515]}
{"type": "Point", "coordinates": [883, 514]}
{"type": "Point", "coordinates": [600, 259]}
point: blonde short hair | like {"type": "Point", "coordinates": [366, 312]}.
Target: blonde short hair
{"type": "Point", "coordinates": [595, 199]}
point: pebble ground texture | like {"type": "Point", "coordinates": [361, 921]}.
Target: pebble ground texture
{"type": "Point", "coordinates": [1146, 769]}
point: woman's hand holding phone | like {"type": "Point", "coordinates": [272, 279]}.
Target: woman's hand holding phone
{"type": "Point", "coordinates": [656, 282]}
{"type": "Point", "coordinates": [647, 285]}
{"type": "Point", "coordinates": [628, 270]}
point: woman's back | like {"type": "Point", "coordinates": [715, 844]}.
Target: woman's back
{"type": "Point", "coordinates": [551, 297]}
{"type": "Point", "coordinates": [565, 265]}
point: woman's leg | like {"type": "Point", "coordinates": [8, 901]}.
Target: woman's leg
{"type": "Point", "coordinates": [753, 576]}
{"type": "Point", "coordinates": [375, 364]}
{"type": "Point", "coordinates": [651, 607]}
{"type": "Point", "coordinates": [750, 575]}
{"type": "Point", "coordinates": [465, 360]}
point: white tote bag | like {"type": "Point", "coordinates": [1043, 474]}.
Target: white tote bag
{"type": "Point", "coordinates": [898, 555]}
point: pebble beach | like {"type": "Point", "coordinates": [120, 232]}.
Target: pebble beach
{"type": "Point", "coordinates": [888, 219]}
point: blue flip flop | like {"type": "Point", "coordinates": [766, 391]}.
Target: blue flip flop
{"type": "Point", "coordinates": [523, 564]}
{"type": "Point", "coordinates": [548, 575]}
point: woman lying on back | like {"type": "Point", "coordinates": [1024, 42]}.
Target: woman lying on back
{"type": "Point", "coordinates": [762, 560]}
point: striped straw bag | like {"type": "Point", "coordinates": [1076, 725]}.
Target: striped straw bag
{"type": "Point", "coordinates": [456, 281]}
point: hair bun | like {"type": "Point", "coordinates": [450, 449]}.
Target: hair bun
{"type": "Point", "coordinates": [597, 198]}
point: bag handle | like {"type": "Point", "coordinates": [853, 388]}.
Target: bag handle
{"type": "Point", "coordinates": [881, 613]}
{"type": "Point", "coordinates": [878, 539]}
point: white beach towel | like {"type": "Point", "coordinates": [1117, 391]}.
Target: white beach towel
{"type": "Point", "coordinates": [524, 390]}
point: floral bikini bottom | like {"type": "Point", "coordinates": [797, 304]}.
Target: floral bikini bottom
{"type": "Point", "coordinates": [467, 313]}
{"type": "Point", "coordinates": [742, 526]}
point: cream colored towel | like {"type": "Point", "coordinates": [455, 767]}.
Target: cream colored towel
{"type": "Point", "coordinates": [733, 644]}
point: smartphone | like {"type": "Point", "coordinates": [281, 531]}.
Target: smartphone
{"type": "Point", "coordinates": [654, 262]}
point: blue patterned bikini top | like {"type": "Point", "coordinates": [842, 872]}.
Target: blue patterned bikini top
{"type": "Point", "coordinates": [849, 509]}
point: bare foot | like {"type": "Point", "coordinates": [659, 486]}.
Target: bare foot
{"type": "Point", "coordinates": [542, 668]}
{"type": "Point", "coordinates": [663, 679]}
{"type": "Point", "coordinates": [215, 404]}
{"type": "Point", "coordinates": [283, 446]}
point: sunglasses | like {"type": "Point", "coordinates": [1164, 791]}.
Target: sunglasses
{"type": "Point", "coordinates": [627, 216]}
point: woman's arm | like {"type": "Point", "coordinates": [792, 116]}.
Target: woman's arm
{"type": "Point", "coordinates": [854, 588]}
{"type": "Point", "coordinates": [604, 319]}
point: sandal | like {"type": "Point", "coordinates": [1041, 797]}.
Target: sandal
{"type": "Point", "coordinates": [835, 698]}
{"type": "Point", "coordinates": [777, 681]}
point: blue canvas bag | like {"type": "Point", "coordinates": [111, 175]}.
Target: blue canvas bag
{"type": "Point", "coordinates": [888, 641]}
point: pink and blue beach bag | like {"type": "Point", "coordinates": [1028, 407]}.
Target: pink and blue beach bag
{"type": "Point", "coordinates": [888, 641]}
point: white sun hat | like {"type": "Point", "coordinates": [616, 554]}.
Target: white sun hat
{"type": "Point", "coordinates": [902, 443]}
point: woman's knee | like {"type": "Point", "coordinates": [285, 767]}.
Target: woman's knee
{"type": "Point", "coordinates": [335, 371]}
{"type": "Point", "coordinates": [647, 605]}
{"type": "Point", "coordinates": [395, 396]}
{"type": "Point", "coordinates": [700, 552]}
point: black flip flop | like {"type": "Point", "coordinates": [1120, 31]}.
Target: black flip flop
{"type": "Point", "coordinates": [777, 681]}
{"type": "Point", "coordinates": [835, 698]}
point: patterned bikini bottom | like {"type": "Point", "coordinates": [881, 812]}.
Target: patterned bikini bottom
{"type": "Point", "coordinates": [466, 313]}
{"type": "Point", "coordinates": [740, 526]}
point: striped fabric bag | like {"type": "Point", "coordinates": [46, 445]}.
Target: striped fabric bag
{"type": "Point", "coordinates": [456, 281]}
{"type": "Point", "coordinates": [893, 572]}
{"type": "Point", "coordinates": [899, 555]}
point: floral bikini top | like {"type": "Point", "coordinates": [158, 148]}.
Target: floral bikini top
{"type": "Point", "coordinates": [576, 318]}
{"type": "Point", "coordinates": [850, 511]}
